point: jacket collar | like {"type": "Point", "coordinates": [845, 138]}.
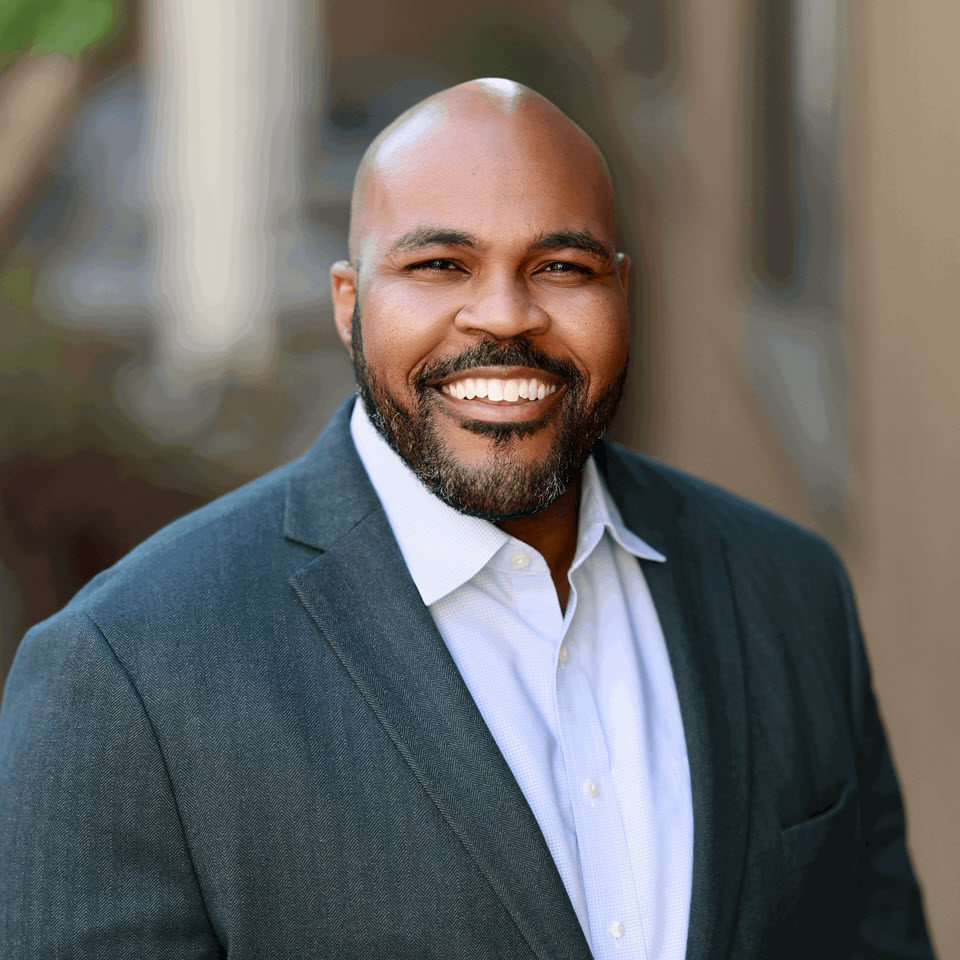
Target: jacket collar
{"type": "Point", "coordinates": [328, 492]}
{"type": "Point", "coordinates": [366, 607]}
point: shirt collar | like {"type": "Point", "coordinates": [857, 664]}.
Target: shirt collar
{"type": "Point", "coordinates": [444, 548]}
{"type": "Point", "coordinates": [598, 513]}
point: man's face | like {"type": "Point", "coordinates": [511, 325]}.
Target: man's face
{"type": "Point", "coordinates": [490, 328]}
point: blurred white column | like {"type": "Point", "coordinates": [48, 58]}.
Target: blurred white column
{"type": "Point", "coordinates": [228, 88]}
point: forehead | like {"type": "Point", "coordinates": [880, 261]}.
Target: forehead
{"type": "Point", "coordinates": [502, 181]}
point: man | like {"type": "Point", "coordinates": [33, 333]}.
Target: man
{"type": "Point", "coordinates": [463, 681]}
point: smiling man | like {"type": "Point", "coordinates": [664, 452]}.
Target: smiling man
{"type": "Point", "coordinates": [466, 680]}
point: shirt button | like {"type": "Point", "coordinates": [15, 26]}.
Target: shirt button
{"type": "Point", "coordinates": [564, 653]}
{"type": "Point", "coordinates": [519, 561]}
{"type": "Point", "coordinates": [616, 930]}
{"type": "Point", "coordinates": [591, 788]}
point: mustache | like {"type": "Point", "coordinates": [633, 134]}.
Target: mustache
{"type": "Point", "coordinates": [499, 353]}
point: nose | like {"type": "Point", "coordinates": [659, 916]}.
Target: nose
{"type": "Point", "coordinates": [503, 309]}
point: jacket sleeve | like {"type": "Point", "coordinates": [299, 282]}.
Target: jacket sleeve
{"type": "Point", "coordinates": [891, 919]}
{"type": "Point", "coordinates": [93, 857]}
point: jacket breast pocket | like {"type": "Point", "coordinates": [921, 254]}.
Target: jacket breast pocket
{"type": "Point", "coordinates": [817, 913]}
{"type": "Point", "coordinates": [830, 835]}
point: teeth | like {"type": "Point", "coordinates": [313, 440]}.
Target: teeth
{"type": "Point", "coordinates": [492, 388]}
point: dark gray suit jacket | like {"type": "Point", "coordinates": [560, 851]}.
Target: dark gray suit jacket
{"type": "Point", "coordinates": [248, 739]}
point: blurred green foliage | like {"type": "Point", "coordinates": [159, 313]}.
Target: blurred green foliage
{"type": "Point", "coordinates": [48, 26]}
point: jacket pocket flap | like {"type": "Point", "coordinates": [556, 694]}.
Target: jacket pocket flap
{"type": "Point", "coordinates": [802, 843]}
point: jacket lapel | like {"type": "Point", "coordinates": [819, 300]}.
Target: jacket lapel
{"type": "Point", "coordinates": [365, 605]}
{"type": "Point", "coordinates": [694, 598]}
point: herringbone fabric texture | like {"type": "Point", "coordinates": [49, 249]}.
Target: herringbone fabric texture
{"type": "Point", "coordinates": [248, 740]}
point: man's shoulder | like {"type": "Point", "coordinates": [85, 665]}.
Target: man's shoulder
{"type": "Point", "coordinates": [212, 592]}
{"type": "Point", "coordinates": [237, 540]}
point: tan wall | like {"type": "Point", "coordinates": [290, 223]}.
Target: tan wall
{"type": "Point", "coordinates": [901, 204]}
{"type": "Point", "coordinates": [707, 417]}
{"type": "Point", "coordinates": [903, 189]}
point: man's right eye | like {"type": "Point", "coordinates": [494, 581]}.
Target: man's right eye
{"type": "Point", "coordinates": [438, 264]}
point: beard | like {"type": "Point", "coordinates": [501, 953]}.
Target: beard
{"type": "Point", "coordinates": [509, 487]}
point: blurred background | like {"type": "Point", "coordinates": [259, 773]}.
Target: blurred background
{"type": "Point", "coordinates": [173, 192]}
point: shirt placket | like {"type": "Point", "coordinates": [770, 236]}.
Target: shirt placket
{"type": "Point", "coordinates": [615, 923]}
{"type": "Point", "coordinates": [536, 605]}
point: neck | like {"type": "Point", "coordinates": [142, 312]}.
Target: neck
{"type": "Point", "coordinates": [553, 534]}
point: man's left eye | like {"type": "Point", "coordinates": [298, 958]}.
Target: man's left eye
{"type": "Point", "coordinates": [563, 266]}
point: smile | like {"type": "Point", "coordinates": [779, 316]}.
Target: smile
{"type": "Point", "coordinates": [496, 390]}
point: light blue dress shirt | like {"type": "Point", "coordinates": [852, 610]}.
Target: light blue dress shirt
{"type": "Point", "coordinates": [582, 703]}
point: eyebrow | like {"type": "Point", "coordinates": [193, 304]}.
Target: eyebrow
{"type": "Point", "coordinates": [432, 236]}
{"type": "Point", "coordinates": [429, 236]}
{"type": "Point", "coordinates": [573, 240]}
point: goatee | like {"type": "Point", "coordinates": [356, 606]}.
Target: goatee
{"type": "Point", "coordinates": [509, 488]}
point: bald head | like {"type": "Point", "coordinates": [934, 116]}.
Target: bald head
{"type": "Point", "coordinates": [482, 121]}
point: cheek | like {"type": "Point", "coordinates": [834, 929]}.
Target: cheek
{"type": "Point", "coordinates": [600, 338]}
{"type": "Point", "coordinates": [397, 339]}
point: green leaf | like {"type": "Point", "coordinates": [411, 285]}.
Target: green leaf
{"type": "Point", "coordinates": [47, 26]}
{"type": "Point", "coordinates": [18, 22]}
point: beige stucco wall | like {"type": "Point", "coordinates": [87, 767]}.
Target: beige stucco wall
{"type": "Point", "coordinates": [901, 315]}
{"type": "Point", "coordinates": [903, 206]}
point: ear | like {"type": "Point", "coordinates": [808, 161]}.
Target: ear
{"type": "Point", "coordinates": [623, 268]}
{"type": "Point", "coordinates": [343, 289]}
